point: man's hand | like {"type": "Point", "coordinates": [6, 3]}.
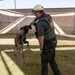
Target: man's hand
{"type": "Point", "coordinates": [41, 42]}
{"type": "Point", "coordinates": [32, 23]}
{"type": "Point", "coordinates": [40, 52]}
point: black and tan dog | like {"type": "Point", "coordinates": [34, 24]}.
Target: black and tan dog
{"type": "Point", "coordinates": [20, 39]}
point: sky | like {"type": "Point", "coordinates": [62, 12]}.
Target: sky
{"type": "Point", "coordinates": [29, 4]}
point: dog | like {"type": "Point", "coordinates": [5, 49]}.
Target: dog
{"type": "Point", "coordinates": [20, 39]}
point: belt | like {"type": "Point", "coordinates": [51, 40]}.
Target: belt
{"type": "Point", "coordinates": [50, 40]}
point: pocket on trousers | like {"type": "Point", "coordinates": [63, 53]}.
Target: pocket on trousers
{"type": "Point", "coordinates": [44, 58]}
{"type": "Point", "coordinates": [48, 47]}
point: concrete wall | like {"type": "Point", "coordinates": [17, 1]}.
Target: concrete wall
{"type": "Point", "coordinates": [65, 22]}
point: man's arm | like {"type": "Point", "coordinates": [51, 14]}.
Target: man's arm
{"type": "Point", "coordinates": [40, 31]}
{"type": "Point", "coordinates": [41, 41]}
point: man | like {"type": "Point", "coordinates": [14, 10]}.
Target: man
{"type": "Point", "coordinates": [47, 39]}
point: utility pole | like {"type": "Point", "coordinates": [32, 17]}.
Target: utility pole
{"type": "Point", "coordinates": [15, 4]}
{"type": "Point", "coordinates": [74, 20]}
{"type": "Point", "coordinates": [15, 12]}
{"type": "Point", "coordinates": [74, 23]}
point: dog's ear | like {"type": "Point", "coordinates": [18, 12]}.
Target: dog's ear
{"type": "Point", "coordinates": [21, 28]}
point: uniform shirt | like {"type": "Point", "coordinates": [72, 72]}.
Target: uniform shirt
{"type": "Point", "coordinates": [42, 26]}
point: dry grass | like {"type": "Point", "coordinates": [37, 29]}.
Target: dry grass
{"type": "Point", "coordinates": [65, 59]}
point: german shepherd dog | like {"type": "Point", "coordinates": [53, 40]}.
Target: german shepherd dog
{"type": "Point", "coordinates": [20, 39]}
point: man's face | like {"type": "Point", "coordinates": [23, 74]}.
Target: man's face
{"type": "Point", "coordinates": [38, 14]}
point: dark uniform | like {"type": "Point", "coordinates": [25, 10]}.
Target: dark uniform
{"type": "Point", "coordinates": [43, 28]}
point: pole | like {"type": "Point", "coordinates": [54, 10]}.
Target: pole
{"type": "Point", "coordinates": [74, 23]}
{"type": "Point", "coordinates": [15, 4]}
{"type": "Point", "coordinates": [74, 20]}
{"type": "Point", "coordinates": [15, 13]}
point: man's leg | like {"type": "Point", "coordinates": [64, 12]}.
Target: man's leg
{"type": "Point", "coordinates": [54, 65]}
{"type": "Point", "coordinates": [44, 64]}
{"type": "Point", "coordinates": [44, 68]}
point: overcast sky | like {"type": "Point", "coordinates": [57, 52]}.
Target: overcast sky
{"type": "Point", "coordinates": [26, 4]}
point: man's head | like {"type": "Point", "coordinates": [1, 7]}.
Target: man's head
{"type": "Point", "coordinates": [38, 11]}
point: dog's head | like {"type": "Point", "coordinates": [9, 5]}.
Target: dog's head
{"type": "Point", "coordinates": [25, 29]}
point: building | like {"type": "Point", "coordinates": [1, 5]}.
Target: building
{"type": "Point", "coordinates": [12, 20]}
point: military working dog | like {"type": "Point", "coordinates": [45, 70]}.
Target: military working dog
{"type": "Point", "coordinates": [20, 39]}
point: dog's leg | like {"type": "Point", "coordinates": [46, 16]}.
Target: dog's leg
{"type": "Point", "coordinates": [15, 51]}
{"type": "Point", "coordinates": [26, 42]}
{"type": "Point", "coordinates": [22, 52]}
